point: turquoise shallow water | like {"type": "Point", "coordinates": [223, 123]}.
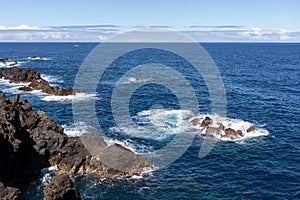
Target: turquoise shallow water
{"type": "Point", "coordinates": [262, 87]}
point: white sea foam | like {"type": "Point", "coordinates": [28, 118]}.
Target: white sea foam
{"type": "Point", "coordinates": [3, 65]}
{"type": "Point", "coordinates": [147, 171]}
{"type": "Point", "coordinates": [236, 124]}
{"type": "Point", "coordinates": [160, 124]}
{"type": "Point", "coordinates": [49, 169]}
{"type": "Point", "coordinates": [159, 117]}
{"type": "Point", "coordinates": [78, 96]}
{"type": "Point", "coordinates": [11, 87]}
{"type": "Point", "coordinates": [11, 64]}
{"type": "Point", "coordinates": [51, 79]}
{"type": "Point", "coordinates": [74, 130]}
{"type": "Point", "coordinates": [14, 89]}
{"type": "Point", "coordinates": [157, 124]}
{"type": "Point", "coordinates": [38, 58]}
{"type": "Point", "coordinates": [8, 64]}
{"type": "Point", "coordinates": [47, 174]}
{"type": "Point", "coordinates": [129, 144]}
{"type": "Point", "coordinates": [7, 82]}
{"type": "Point", "coordinates": [135, 80]}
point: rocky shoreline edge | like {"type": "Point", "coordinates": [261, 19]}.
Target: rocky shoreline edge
{"type": "Point", "coordinates": [31, 141]}
{"type": "Point", "coordinates": [36, 82]}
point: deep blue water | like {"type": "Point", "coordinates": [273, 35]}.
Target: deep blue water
{"type": "Point", "coordinates": [262, 87]}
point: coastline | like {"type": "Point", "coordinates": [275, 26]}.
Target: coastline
{"type": "Point", "coordinates": [255, 95]}
{"type": "Point", "coordinates": [32, 141]}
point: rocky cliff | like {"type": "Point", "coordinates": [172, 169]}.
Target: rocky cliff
{"type": "Point", "coordinates": [30, 141]}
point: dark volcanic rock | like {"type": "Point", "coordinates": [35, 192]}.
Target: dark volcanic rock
{"type": "Point", "coordinates": [122, 159]}
{"type": "Point", "coordinates": [44, 86]}
{"type": "Point", "coordinates": [230, 131]}
{"type": "Point", "coordinates": [17, 75]}
{"type": "Point", "coordinates": [30, 141]}
{"type": "Point", "coordinates": [9, 193]}
{"type": "Point", "coordinates": [250, 129]}
{"type": "Point", "coordinates": [8, 62]}
{"type": "Point", "coordinates": [232, 134]}
{"type": "Point", "coordinates": [47, 135]}
{"type": "Point", "coordinates": [105, 161]}
{"type": "Point", "coordinates": [4, 60]}
{"type": "Point", "coordinates": [214, 130]}
{"type": "Point", "coordinates": [29, 75]}
{"type": "Point", "coordinates": [72, 157]}
{"type": "Point", "coordinates": [239, 132]}
{"type": "Point", "coordinates": [27, 139]}
{"type": "Point", "coordinates": [206, 122]}
{"type": "Point", "coordinates": [61, 187]}
{"type": "Point", "coordinates": [19, 161]}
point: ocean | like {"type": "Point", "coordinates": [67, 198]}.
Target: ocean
{"type": "Point", "coordinates": [262, 87]}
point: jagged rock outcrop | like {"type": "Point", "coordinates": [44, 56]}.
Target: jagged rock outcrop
{"type": "Point", "coordinates": [19, 160]}
{"type": "Point", "coordinates": [8, 62]}
{"type": "Point", "coordinates": [118, 157]}
{"type": "Point", "coordinates": [30, 141]}
{"type": "Point", "coordinates": [206, 122]}
{"type": "Point", "coordinates": [61, 187]}
{"type": "Point", "coordinates": [17, 75]}
{"type": "Point", "coordinates": [230, 131]}
{"type": "Point", "coordinates": [105, 161]}
{"type": "Point", "coordinates": [4, 60]}
{"type": "Point", "coordinates": [221, 131]}
{"type": "Point", "coordinates": [29, 75]}
{"type": "Point", "coordinates": [215, 130]}
{"type": "Point", "coordinates": [9, 193]}
{"type": "Point", "coordinates": [36, 58]}
{"type": "Point", "coordinates": [44, 86]}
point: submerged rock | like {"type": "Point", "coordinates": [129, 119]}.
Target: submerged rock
{"type": "Point", "coordinates": [61, 187]}
{"type": "Point", "coordinates": [195, 121]}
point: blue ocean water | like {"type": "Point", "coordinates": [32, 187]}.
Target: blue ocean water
{"type": "Point", "coordinates": [262, 87]}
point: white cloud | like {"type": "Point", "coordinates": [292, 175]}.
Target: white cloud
{"type": "Point", "coordinates": [102, 38]}
{"type": "Point", "coordinates": [20, 27]}
{"type": "Point", "coordinates": [267, 35]}
{"type": "Point", "coordinates": [254, 34]}
{"type": "Point", "coordinates": [97, 33]}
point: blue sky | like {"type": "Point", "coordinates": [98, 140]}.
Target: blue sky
{"type": "Point", "coordinates": [203, 20]}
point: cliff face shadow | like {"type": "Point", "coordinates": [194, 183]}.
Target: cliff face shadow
{"type": "Point", "coordinates": [20, 159]}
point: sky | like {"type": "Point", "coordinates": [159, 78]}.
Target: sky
{"type": "Point", "coordinates": [202, 20]}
